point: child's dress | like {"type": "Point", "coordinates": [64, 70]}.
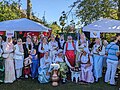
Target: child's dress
{"type": "Point", "coordinates": [34, 66]}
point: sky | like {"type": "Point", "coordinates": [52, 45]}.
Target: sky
{"type": "Point", "coordinates": [52, 8]}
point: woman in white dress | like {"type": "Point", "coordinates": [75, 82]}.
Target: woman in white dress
{"type": "Point", "coordinates": [19, 57]}
{"type": "Point", "coordinates": [80, 45]}
{"type": "Point", "coordinates": [86, 63]}
{"type": "Point", "coordinates": [43, 47]}
{"type": "Point", "coordinates": [98, 53]}
{"type": "Point", "coordinates": [53, 47]}
{"type": "Point", "coordinates": [44, 69]}
{"type": "Point", "coordinates": [9, 63]}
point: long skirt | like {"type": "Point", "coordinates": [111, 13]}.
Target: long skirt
{"type": "Point", "coordinates": [71, 57]}
{"type": "Point", "coordinates": [87, 74]}
{"type": "Point", "coordinates": [18, 67]}
{"type": "Point", "coordinates": [97, 66]}
{"type": "Point", "coordinates": [34, 68]}
{"type": "Point", "coordinates": [63, 70]}
{"type": "Point", "coordinates": [2, 70]}
{"type": "Point", "coordinates": [9, 71]}
{"type": "Point", "coordinates": [42, 77]}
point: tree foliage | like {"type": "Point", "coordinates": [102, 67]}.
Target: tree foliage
{"type": "Point", "coordinates": [9, 10]}
{"type": "Point", "coordinates": [90, 10]}
{"type": "Point", "coordinates": [55, 28]}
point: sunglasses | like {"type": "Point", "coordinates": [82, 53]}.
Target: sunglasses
{"type": "Point", "coordinates": [19, 41]}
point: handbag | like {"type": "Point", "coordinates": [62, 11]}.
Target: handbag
{"type": "Point", "coordinates": [5, 55]}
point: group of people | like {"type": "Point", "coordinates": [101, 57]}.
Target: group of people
{"type": "Point", "coordinates": [35, 58]}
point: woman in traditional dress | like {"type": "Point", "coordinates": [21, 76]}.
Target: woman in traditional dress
{"type": "Point", "coordinates": [86, 65]}
{"type": "Point", "coordinates": [53, 47]}
{"type": "Point", "coordinates": [61, 42]}
{"type": "Point", "coordinates": [43, 70]}
{"type": "Point", "coordinates": [80, 45]}
{"type": "Point", "coordinates": [43, 47]}
{"type": "Point", "coordinates": [9, 63]}
{"type": "Point", "coordinates": [35, 43]}
{"type": "Point", "coordinates": [63, 66]}
{"type": "Point", "coordinates": [1, 62]}
{"type": "Point", "coordinates": [19, 58]}
{"type": "Point", "coordinates": [98, 52]}
{"type": "Point", "coordinates": [28, 46]}
{"type": "Point", "coordinates": [34, 65]}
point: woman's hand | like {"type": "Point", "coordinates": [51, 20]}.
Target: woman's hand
{"type": "Point", "coordinates": [88, 65]}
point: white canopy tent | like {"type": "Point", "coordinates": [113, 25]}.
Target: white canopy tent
{"type": "Point", "coordinates": [104, 26]}
{"type": "Point", "coordinates": [22, 25]}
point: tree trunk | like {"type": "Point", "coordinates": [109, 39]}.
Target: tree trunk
{"type": "Point", "coordinates": [28, 9]}
{"type": "Point", "coordinates": [118, 14]}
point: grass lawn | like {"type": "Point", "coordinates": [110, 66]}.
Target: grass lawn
{"type": "Point", "coordinates": [29, 84]}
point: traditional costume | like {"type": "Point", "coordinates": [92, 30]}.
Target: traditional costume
{"type": "Point", "coordinates": [80, 45]}
{"type": "Point", "coordinates": [2, 68]}
{"type": "Point", "coordinates": [19, 58]}
{"type": "Point", "coordinates": [53, 46]}
{"type": "Point", "coordinates": [34, 64]}
{"type": "Point", "coordinates": [28, 46]}
{"type": "Point", "coordinates": [98, 52]}
{"type": "Point", "coordinates": [86, 64]}
{"type": "Point", "coordinates": [42, 49]}
{"type": "Point", "coordinates": [61, 42]}
{"type": "Point", "coordinates": [9, 63]}
{"type": "Point", "coordinates": [63, 66]}
{"type": "Point", "coordinates": [44, 69]}
{"type": "Point", "coordinates": [69, 51]}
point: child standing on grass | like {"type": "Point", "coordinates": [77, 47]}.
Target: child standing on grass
{"type": "Point", "coordinates": [34, 64]}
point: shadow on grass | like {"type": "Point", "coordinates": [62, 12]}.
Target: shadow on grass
{"type": "Point", "coordinates": [29, 84]}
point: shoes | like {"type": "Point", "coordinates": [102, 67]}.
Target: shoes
{"type": "Point", "coordinates": [26, 76]}
{"type": "Point", "coordinates": [63, 81]}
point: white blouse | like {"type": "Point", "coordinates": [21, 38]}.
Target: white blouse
{"type": "Point", "coordinates": [84, 59]}
{"type": "Point", "coordinates": [43, 62]}
{"type": "Point", "coordinates": [79, 47]}
{"type": "Point", "coordinates": [53, 45]}
{"type": "Point", "coordinates": [17, 53]}
{"type": "Point", "coordinates": [57, 59]}
{"type": "Point", "coordinates": [45, 46]}
{"type": "Point", "coordinates": [70, 47]}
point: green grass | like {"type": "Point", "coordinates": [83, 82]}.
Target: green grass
{"type": "Point", "coordinates": [29, 84]}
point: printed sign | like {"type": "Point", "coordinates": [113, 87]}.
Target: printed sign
{"type": "Point", "coordinates": [10, 33]}
{"type": "Point", "coordinates": [94, 34]}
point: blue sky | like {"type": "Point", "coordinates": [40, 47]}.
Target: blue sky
{"type": "Point", "coordinates": [52, 8]}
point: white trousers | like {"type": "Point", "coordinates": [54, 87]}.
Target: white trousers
{"type": "Point", "coordinates": [111, 71]}
{"type": "Point", "coordinates": [18, 72]}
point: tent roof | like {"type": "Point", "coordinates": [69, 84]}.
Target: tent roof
{"type": "Point", "coordinates": [104, 25]}
{"type": "Point", "coordinates": [22, 24]}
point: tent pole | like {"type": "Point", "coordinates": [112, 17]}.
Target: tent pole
{"type": "Point", "coordinates": [15, 34]}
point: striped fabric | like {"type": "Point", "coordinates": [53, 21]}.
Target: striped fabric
{"type": "Point", "coordinates": [112, 49]}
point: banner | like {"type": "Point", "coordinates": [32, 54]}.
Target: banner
{"type": "Point", "coordinates": [94, 34]}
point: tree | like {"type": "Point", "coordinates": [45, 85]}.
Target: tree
{"type": "Point", "coordinates": [55, 28]}
{"type": "Point", "coordinates": [90, 10]}
{"type": "Point", "coordinates": [62, 20]}
{"type": "Point", "coordinates": [9, 10]}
